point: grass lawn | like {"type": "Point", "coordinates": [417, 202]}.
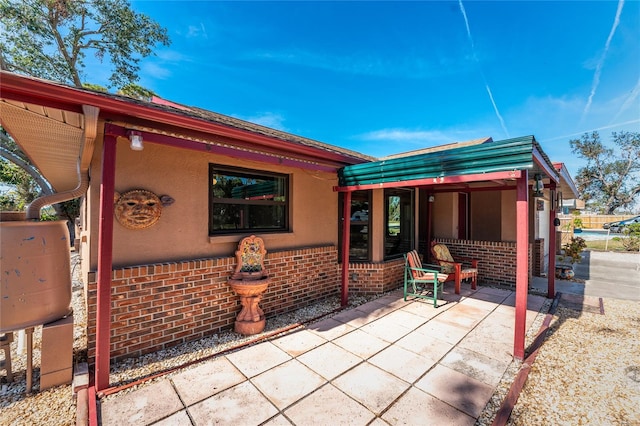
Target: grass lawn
{"type": "Point", "coordinates": [615, 244]}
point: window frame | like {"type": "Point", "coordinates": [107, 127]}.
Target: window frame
{"type": "Point", "coordinates": [240, 172]}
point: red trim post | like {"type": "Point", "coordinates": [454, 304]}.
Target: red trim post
{"type": "Point", "coordinates": [105, 264]}
{"type": "Point", "coordinates": [346, 238]}
{"type": "Point", "coordinates": [551, 275]}
{"type": "Point", "coordinates": [522, 263]}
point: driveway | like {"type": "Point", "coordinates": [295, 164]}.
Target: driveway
{"type": "Point", "coordinates": [606, 274]}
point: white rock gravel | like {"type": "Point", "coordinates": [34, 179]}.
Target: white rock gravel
{"type": "Point", "coordinates": [588, 370]}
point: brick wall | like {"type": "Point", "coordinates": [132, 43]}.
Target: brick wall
{"type": "Point", "coordinates": [376, 278]}
{"type": "Point", "coordinates": [538, 257]}
{"type": "Point", "coordinates": [162, 305]}
{"type": "Point", "coordinates": [497, 259]}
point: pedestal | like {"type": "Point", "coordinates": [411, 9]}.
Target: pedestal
{"type": "Point", "coordinates": [251, 318]}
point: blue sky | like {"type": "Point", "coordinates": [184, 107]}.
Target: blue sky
{"type": "Point", "coordinates": [388, 77]}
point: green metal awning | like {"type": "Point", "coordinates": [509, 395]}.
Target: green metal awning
{"type": "Point", "coordinates": [522, 153]}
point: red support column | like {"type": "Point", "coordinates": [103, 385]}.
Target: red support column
{"type": "Point", "coordinates": [346, 238]}
{"type": "Point", "coordinates": [522, 263]}
{"type": "Point", "coordinates": [551, 275]}
{"type": "Point", "coordinates": [105, 264]}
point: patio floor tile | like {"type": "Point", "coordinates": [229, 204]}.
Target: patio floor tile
{"type": "Point", "coordinates": [179, 418]}
{"type": "Point", "coordinates": [278, 420]}
{"type": "Point", "coordinates": [429, 348]}
{"type": "Point", "coordinates": [329, 360]}
{"type": "Point", "coordinates": [494, 341]}
{"type": "Point", "coordinates": [425, 309]}
{"type": "Point", "coordinates": [287, 383]}
{"type": "Point", "coordinates": [480, 303]}
{"type": "Point", "coordinates": [240, 405]}
{"type": "Point", "coordinates": [406, 319]}
{"type": "Point", "coordinates": [143, 406]}
{"type": "Point", "coordinates": [206, 379]}
{"type": "Point", "coordinates": [476, 365]}
{"type": "Point", "coordinates": [329, 328]}
{"type": "Point", "coordinates": [402, 363]}
{"type": "Point", "coordinates": [254, 360]}
{"type": "Point", "coordinates": [386, 329]}
{"type": "Point", "coordinates": [298, 342]}
{"type": "Point", "coordinates": [361, 344]}
{"type": "Point", "coordinates": [329, 406]}
{"type": "Point", "coordinates": [459, 390]}
{"type": "Point", "coordinates": [419, 408]}
{"type": "Point", "coordinates": [355, 317]}
{"type": "Point", "coordinates": [442, 330]}
{"type": "Point", "coordinates": [374, 388]}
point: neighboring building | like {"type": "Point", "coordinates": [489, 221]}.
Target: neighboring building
{"type": "Point", "coordinates": [204, 181]}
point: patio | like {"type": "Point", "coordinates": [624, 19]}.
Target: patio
{"type": "Point", "coordinates": [402, 362]}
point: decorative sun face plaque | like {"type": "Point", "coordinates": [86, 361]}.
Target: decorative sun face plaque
{"type": "Point", "coordinates": [139, 208]}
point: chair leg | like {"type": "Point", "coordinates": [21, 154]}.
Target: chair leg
{"type": "Point", "coordinates": [458, 284]}
{"type": "Point", "coordinates": [474, 281]}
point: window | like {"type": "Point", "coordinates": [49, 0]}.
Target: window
{"type": "Point", "coordinates": [247, 200]}
{"type": "Point", "coordinates": [360, 230]}
{"type": "Point", "coordinates": [399, 215]}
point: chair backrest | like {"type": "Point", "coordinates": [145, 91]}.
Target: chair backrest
{"type": "Point", "coordinates": [442, 255]}
{"type": "Point", "coordinates": [413, 260]}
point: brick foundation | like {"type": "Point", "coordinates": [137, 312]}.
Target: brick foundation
{"type": "Point", "coordinates": [157, 306]}
{"type": "Point", "coordinates": [375, 278]}
{"type": "Point", "coordinates": [497, 259]}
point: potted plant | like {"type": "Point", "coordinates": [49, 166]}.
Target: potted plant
{"type": "Point", "coordinates": [577, 222]}
{"type": "Point", "coordinates": [573, 249]}
{"type": "Point", "coordinates": [571, 254]}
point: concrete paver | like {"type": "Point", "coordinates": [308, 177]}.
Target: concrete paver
{"type": "Point", "coordinates": [343, 409]}
{"type": "Point", "coordinates": [287, 383]}
{"type": "Point", "coordinates": [256, 359]}
{"type": "Point", "coordinates": [373, 387]}
{"type": "Point", "coordinates": [417, 407]}
{"type": "Point", "coordinates": [329, 360]}
{"type": "Point", "coordinates": [143, 406]}
{"type": "Point", "coordinates": [195, 384]}
{"type": "Point", "coordinates": [242, 404]}
{"type": "Point", "coordinates": [457, 389]}
{"type": "Point", "coordinates": [389, 361]}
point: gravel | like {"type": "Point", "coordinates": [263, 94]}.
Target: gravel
{"type": "Point", "coordinates": [586, 373]}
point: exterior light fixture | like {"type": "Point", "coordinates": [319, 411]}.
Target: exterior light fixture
{"type": "Point", "coordinates": [136, 141]}
{"type": "Point", "coordinates": [556, 222]}
{"type": "Point", "coordinates": [538, 186]}
{"type": "Point", "coordinates": [431, 198]}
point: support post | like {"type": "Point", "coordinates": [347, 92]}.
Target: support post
{"type": "Point", "coordinates": [105, 264]}
{"type": "Point", "coordinates": [522, 263]}
{"type": "Point", "coordinates": [551, 275]}
{"type": "Point", "coordinates": [346, 238]}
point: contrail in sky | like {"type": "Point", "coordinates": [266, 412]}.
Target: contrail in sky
{"type": "Point", "coordinates": [596, 75]}
{"type": "Point", "coordinates": [609, 126]}
{"type": "Point", "coordinates": [486, 85]}
{"type": "Point", "coordinates": [629, 101]}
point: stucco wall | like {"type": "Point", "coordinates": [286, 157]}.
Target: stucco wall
{"type": "Point", "coordinates": [445, 215]}
{"type": "Point", "coordinates": [485, 215]}
{"type": "Point", "coordinates": [182, 231]}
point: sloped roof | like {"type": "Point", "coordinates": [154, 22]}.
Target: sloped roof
{"type": "Point", "coordinates": [478, 158]}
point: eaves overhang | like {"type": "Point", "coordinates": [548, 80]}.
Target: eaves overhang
{"type": "Point", "coordinates": [481, 162]}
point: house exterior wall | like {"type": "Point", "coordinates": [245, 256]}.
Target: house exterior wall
{"type": "Point", "coordinates": [486, 216]}
{"type": "Point", "coordinates": [182, 232]}
{"type": "Point", "coordinates": [445, 215]}
{"type": "Point", "coordinates": [160, 305]}
{"type": "Point", "coordinates": [508, 226]}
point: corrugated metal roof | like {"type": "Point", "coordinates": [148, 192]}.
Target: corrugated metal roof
{"type": "Point", "coordinates": [487, 157]}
